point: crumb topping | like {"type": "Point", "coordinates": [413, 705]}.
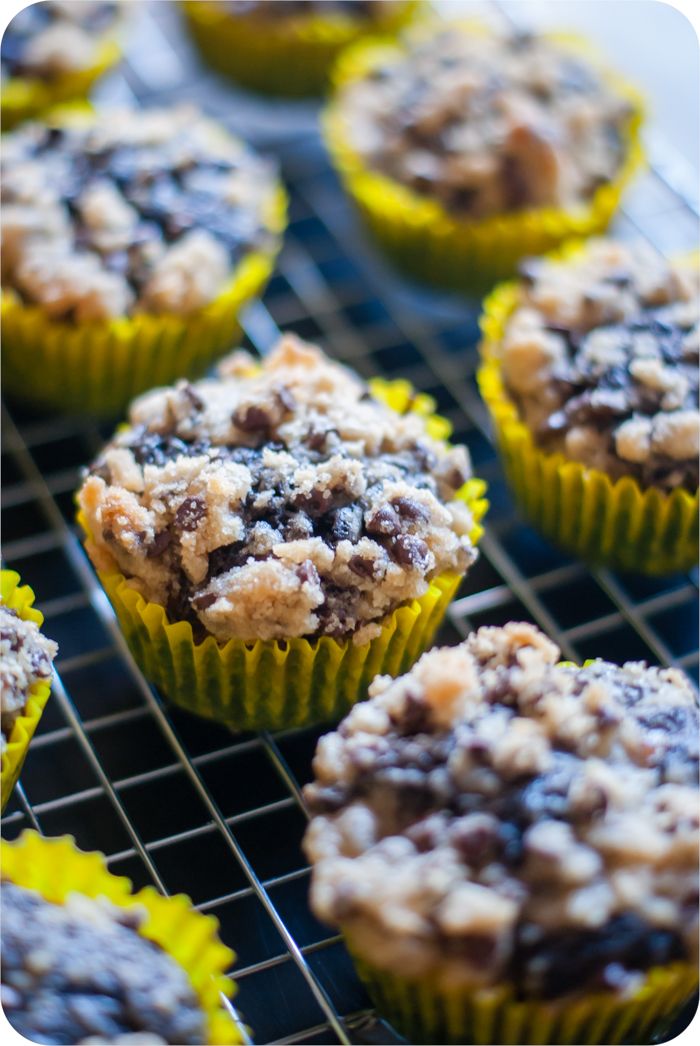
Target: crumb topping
{"type": "Point", "coordinates": [486, 124]}
{"type": "Point", "coordinates": [53, 37]}
{"type": "Point", "coordinates": [145, 211]}
{"type": "Point", "coordinates": [80, 973]}
{"type": "Point", "coordinates": [25, 659]}
{"type": "Point", "coordinates": [601, 357]}
{"type": "Point", "coordinates": [495, 813]}
{"type": "Point", "coordinates": [277, 501]}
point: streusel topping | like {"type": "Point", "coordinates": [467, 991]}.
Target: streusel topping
{"type": "Point", "coordinates": [53, 37]}
{"type": "Point", "coordinates": [139, 211]}
{"type": "Point", "coordinates": [487, 125]}
{"type": "Point", "coordinates": [277, 500]}
{"type": "Point", "coordinates": [494, 813]}
{"type": "Point", "coordinates": [80, 972]}
{"type": "Point", "coordinates": [601, 356]}
{"type": "Point", "coordinates": [25, 659]}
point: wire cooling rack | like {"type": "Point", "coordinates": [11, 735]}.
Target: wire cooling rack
{"type": "Point", "coordinates": [181, 803]}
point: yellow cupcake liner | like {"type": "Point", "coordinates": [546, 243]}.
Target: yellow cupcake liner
{"type": "Point", "coordinates": [23, 98]}
{"type": "Point", "coordinates": [287, 58]}
{"type": "Point", "coordinates": [425, 1012]}
{"type": "Point", "coordinates": [98, 367]}
{"type": "Point", "coordinates": [56, 868]}
{"type": "Point", "coordinates": [615, 523]}
{"type": "Point", "coordinates": [458, 253]}
{"type": "Point", "coordinates": [273, 684]}
{"type": "Point", "coordinates": [20, 599]}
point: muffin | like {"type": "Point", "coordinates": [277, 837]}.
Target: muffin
{"type": "Point", "coordinates": [465, 150]}
{"type": "Point", "coordinates": [85, 960]}
{"type": "Point", "coordinates": [25, 676]}
{"type": "Point", "coordinates": [52, 52]}
{"type": "Point", "coordinates": [272, 537]}
{"type": "Point", "coordinates": [509, 844]}
{"type": "Point", "coordinates": [131, 241]}
{"type": "Point", "coordinates": [590, 371]}
{"type": "Point", "coordinates": [287, 47]}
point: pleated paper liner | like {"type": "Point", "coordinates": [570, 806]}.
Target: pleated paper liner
{"type": "Point", "coordinates": [23, 98]}
{"type": "Point", "coordinates": [424, 1012]}
{"type": "Point", "coordinates": [287, 58]}
{"type": "Point", "coordinates": [56, 868]}
{"type": "Point", "coordinates": [20, 598]}
{"type": "Point", "coordinates": [615, 523]}
{"type": "Point", "coordinates": [98, 367]}
{"type": "Point", "coordinates": [275, 684]}
{"type": "Point", "coordinates": [426, 241]}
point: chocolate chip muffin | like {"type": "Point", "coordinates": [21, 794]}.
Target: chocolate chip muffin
{"type": "Point", "coordinates": [272, 537]}
{"type": "Point", "coordinates": [466, 150]}
{"type": "Point", "coordinates": [601, 356]}
{"type": "Point", "coordinates": [53, 37]}
{"type": "Point", "coordinates": [80, 972]}
{"type": "Point", "coordinates": [498, 820]}
{"type": "Point", "coordinates": [52, 52]}
{"type": "Point", "coordinates": [25, 660]}
{"type": "Point", "coordinates": [131, 242]}
{"type": "Point", "coordinates": [277, 501]}
{"type": "Point", "coordinates": [488, 125]}
{"type": "Point", "coordinates": [146, 211]}
{"type": "Point", "coordinates": [287, 49]}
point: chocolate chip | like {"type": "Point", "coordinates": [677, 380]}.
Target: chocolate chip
{"type": "Point", "coordinates": [204, 601]}
{"type": "Point", "coordinates": [189, 514]}
{"type": "Point", "coordinates": [344, 524]}
{"type": "Point", "coordinates": [384, 521]}
{"type": "Point", "coordinates": [252, 419]}
{"type": "Point", "coordinates": [159, 544]}
{"type": "Point", "coordinates": [361, 566]}
{"type": "Point", "coordinates": [411, 552]}
{"type": "Point", "coordinates": [410, 509]}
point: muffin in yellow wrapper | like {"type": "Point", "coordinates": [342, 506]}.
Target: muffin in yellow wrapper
{"type": "Point", "coordinates": [289, 57]}
{"type": "Point", "coordinates": [275, 684]}
{"type": "Point", "coordinates": [426, 1013]}
{"type": "Point", "coordinates": [20, 598]}
{"type": "Point", "coordinates": [23, 98]}
{"type": "Point", "coordinates": [97, 367]}
{"type": "Point", "coordinates": [56, 868]}
{"type": "Point", "coordinates": [418, 233]}
{"type": "Point", "coordinates": [615, 523]}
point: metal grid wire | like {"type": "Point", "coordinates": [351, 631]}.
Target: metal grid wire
{"type": "Point", "coordinates": [180, 802]}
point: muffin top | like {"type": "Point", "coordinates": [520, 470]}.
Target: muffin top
{"type": "Point", "coordinates": [53, 37]}
{"type": "Point", "coordinates": [143, 211]}
{"type": "Point", "coordinates": [25, 659]}
{"type": "Point", "coordinates": [80, 972]}
{"type": "Point", "coordinates": [495, 814]}
{"type": "Point", "coordinates": [487, 124]}
{"type": "Point", "coordinates": [280, 499]}
{"type": "Point", "coordinates": [356, 10]}
{"type": "Point", "coordinates": [601, 357]}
